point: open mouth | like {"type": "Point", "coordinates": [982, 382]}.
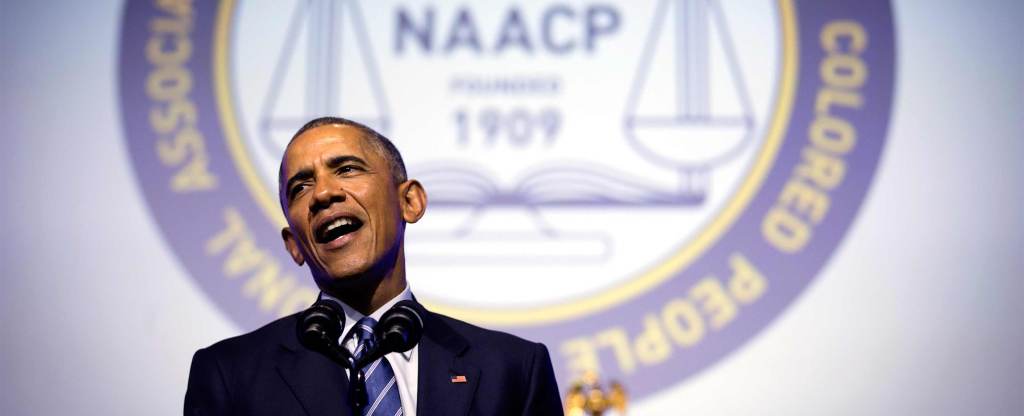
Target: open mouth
{"type": "Point", "coordinates": [334, 230]}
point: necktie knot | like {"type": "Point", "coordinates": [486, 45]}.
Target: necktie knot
{"type": "Point", "coordinates": [362, 332]}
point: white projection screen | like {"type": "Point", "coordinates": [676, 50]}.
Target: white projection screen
{"type": "Point", "coordinates": [726, 206]}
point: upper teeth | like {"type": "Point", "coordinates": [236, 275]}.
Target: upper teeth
{"type": "Point", "coordinates": [338, 223]}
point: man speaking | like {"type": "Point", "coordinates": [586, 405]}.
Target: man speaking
{"type": "Point", "coordinates": [345, 194]}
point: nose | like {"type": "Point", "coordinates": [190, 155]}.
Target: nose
{"type": "Point", "coordinates": [327, 191]}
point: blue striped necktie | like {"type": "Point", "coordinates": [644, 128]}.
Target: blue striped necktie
{"type": "Point", "coordinates": [381, 389]}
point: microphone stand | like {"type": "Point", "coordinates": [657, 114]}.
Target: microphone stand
{"type": "Point", "coordinates": [357, 381]}
{"type": "Point", "coordinates": [357, 396]}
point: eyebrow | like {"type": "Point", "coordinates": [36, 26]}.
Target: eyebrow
{"type": "Point", "coordinates": [341, 160]}
{"type": "Point", "coordinates": [306, 173]}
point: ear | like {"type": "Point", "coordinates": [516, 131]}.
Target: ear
{"type": "Point", "coordinates": [413, 200]}
{"type": "Point", "coordinates": [292, 245]}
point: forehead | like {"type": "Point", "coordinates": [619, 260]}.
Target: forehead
{"type": "Point", "coordinates": [321, 143]}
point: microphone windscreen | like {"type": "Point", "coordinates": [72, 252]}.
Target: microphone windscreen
{"type": "Point", "coordinates": [401, 327]}
{"type": "Point", "coordinates": [320, 325]}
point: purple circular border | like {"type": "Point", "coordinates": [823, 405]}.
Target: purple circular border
{"type": "Point", "coordinates": [188, 220]}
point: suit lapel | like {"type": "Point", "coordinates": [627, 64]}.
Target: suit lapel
{"type": "Point", "coordinates": [440, 352]}
{"type": "Point", "coordinates": [319, 384]}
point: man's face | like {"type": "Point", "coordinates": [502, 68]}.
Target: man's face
{"type": "Point", "coordinates": [346, 216]}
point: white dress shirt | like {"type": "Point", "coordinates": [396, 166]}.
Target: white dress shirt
{"type": "Point", "coordinates": [405, 364]}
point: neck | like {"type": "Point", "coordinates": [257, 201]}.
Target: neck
{"type": "Point", "coordinates": [373, 293]}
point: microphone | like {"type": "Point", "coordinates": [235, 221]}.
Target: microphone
{"type": "Point", "coordinates": [319, 329]}
{"type": "Point", "coordinates": [399, 329]}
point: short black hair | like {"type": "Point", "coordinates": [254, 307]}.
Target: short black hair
{"type": "Point", "coordinates": [386, 148]}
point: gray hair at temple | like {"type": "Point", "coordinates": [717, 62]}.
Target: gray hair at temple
{"type": "Point", "coordinates": [381, 143]}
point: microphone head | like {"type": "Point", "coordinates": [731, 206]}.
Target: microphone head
{"type": "Point", "coordinates": [320, 326]}
{"type": "Point", "coordinates": [401, 327]}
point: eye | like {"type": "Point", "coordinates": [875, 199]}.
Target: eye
{"type": "Point", "coordinates": [295, 190]}
{"type": "Point", "coordinates": [345, 169]}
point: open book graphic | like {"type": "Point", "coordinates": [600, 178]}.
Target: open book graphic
{"type": "Point", "coordinates": [552, 185]}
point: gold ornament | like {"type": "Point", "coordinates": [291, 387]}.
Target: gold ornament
{"type": "Point", "coordinates": [586, 397]}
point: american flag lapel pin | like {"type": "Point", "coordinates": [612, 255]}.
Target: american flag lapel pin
{"type": "Point", "coordinates": [459, 379]}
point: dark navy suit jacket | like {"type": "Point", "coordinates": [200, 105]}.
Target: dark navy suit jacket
{"type": "Point", "coordinates": [267, 372]}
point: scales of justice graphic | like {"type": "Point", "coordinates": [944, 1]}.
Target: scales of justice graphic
{"type": "Point", "coordinates": [688, 110]}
